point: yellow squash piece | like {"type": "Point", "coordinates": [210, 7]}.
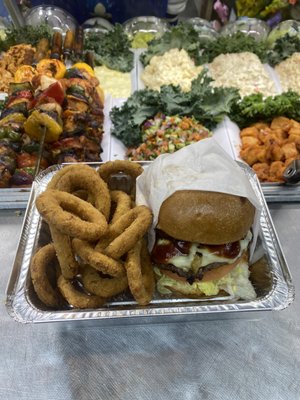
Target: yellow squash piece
{"type": "Point", "coordinates": [51, 67]}
{"type": "Point", "coordinates": [25, 74]}
{"type": "Point", "coordinates": [35, 124]}
{"type": "Point", "coordinates": [85, 66]}
{"type": "Point", "coordinates": [15, 117]}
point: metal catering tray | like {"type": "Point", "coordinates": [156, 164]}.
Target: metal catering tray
{"type": "Point", "coordinates": [269, 274]}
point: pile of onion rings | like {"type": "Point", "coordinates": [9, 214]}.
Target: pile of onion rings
{"type": "Point", "coordinates": [98, 247]}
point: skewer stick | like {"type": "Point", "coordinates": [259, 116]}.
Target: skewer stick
{"type": "Point", "coordinates": [40, 153]}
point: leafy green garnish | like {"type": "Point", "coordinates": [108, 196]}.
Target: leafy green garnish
{"type": "Point", "coordinates": [236, 43]}
{"type": "Point", "coordinates": [27, 34]}
{"type": "Point", "coordinates": [181, 36]}
{"type": "Point", "coordinates": [111, 48]}
{"type": "Point", "coordinates": [256, 108]}
{"type": "Point", "coordinates": [184, 36]}
{"type": "Point", "coordinates": [284, 47]}
{"type": "Point", "coordinates": [206, 104]}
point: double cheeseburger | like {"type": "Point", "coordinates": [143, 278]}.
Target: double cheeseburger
{"type": "Point", "coordinates": [201, 246]}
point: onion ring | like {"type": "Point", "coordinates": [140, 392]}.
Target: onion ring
{"type": "Point", "coordinates": [97, 260]}
{"type": "Point", "coordinates": [123, 204]}
{"type": "Point", "coordinates": [42, 260]}
{"type": "Point", "coordinates": [77, 178]}
{"type": "Point", "coordinates": [101, 286]}
{"type": "Point", "coordinates": [140, 273]}
{"type": "Point", "coordinates": [64, 252]}
{"type": "Point", "coordinates": [127, 231]}
{"type": "Point", "coordinates": [60, 209]}
{"type": "Point", "coordinates": [77, 298]}
{"type": "Point", "coordinates": [113, 167]}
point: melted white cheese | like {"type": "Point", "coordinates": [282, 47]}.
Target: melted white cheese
{"type": "Point", "coordinates": [185, 262]}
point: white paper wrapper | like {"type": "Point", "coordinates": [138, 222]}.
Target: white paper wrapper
{"type": "Point", "coordinates": [200, 166]}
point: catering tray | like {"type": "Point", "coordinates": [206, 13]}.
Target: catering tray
{"type": "Point", "coordinates": [270, 276]}
{"type": "Point", "coordinates": [273, 192]}
{"type": "Point", "coordinates": [17, 198]}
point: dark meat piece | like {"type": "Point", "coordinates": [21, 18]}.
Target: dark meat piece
{"type": "Point", "coordinates": [5, 177]}
{"type": "Point", "coordinates": [22, 177]}
{"type": "Point", "coordinates": [190, 275]}
{"type": "Point", "coordinates": [7, 158]}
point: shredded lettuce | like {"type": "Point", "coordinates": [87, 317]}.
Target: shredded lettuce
{"type": "Point", "coordinates": [236, 284]}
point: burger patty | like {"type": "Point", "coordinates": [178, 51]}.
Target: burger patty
{"type": "Point", "coordinates": [190, 275]}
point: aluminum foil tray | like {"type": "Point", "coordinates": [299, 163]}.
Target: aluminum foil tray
{"type": "Point", "coordinates": [269, 274]}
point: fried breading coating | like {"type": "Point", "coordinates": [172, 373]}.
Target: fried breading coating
{"type": "Point", "coordinates": [77, 298]}
{"type": "Point", "coordinates": [276, 171]}
{"type": "Point", "coordinates": [43, 261]}
{"type": "Point", "coordinates": [251, 131]}
{"type": "Point", "coordinates": [100, 285]}
{"type": "Point", "coordinates": [260, 125]}
{"type": "Point", "coordinates": [250, 141]}
{"type": "Point", "coordinates": [281, 123]}
{"type": "Point", "coordinates": [290, 150]}
{"type": "Point", "coordinates": [269, 149]}
{"type": "Point", "coordinates": [262, 170]}
{"type": "Point", "coordinates": [249, 154]}
{"type": "Point", "coordinates": [274, 152]}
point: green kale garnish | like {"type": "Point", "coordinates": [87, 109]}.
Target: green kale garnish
{"type": "Point", "coordinates": [207, 104]}
{"type": "Point", "coordinates": [283, 48]}
{"type": "Point", "coordinates": [111, 48]}
{"type": "Point", "coordinates": [236, 43]}
{"type": "Point", "coordinates": [255, 107]}
{"type": "Point", "coordinates": [181, 36]}
{"type": "Point", "coordinates": [25, 35]}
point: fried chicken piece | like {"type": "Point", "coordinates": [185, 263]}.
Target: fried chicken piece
{"type": "Point", "coordinates": [290, 150]}
{"type": "Point", "coordinates": [293, 139]}
{"type": "Point", "coordinates": [294, 131]}
{"type": "Point", "coordinates": [280, 135]}
{"type": "Point", "coordinates": [260, 125]}
{"type": "Point", "coordinates": [249, 141]}
{"type": "Point", "coordinates": [262, 171]}
{"type": "Point", "coordinates": [294, 124]}
{"type": "Point", "coordinates": [288, 161]}
{"type": "Point", "coordinates": [253, 154]}
{"type": "Point", "coordinates": [281, 123]}
{"type": "Point", "coordinates": [251, 131]}
{"type": "Point", "coordinates": [274, 151]}
{"type": "Point", "coordinates": [276, 171]}
{"type": "Point", "coordinates": [264, 135]}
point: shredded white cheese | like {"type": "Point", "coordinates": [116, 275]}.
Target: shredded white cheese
{"type": "Point", "coordinates": [289, 73]}
{"type": "Point", "coordinates": [243, 71]}
{"type": "Point", "coordinates": [175, 67]}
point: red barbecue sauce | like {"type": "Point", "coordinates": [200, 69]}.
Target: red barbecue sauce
{"type": "Point", "coordinates": [228, 250]}
{"type": "Point", "coordinates": [161, 253]}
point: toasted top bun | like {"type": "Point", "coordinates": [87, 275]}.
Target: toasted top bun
{"type": "Point", "coordinates": [206, 217]}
